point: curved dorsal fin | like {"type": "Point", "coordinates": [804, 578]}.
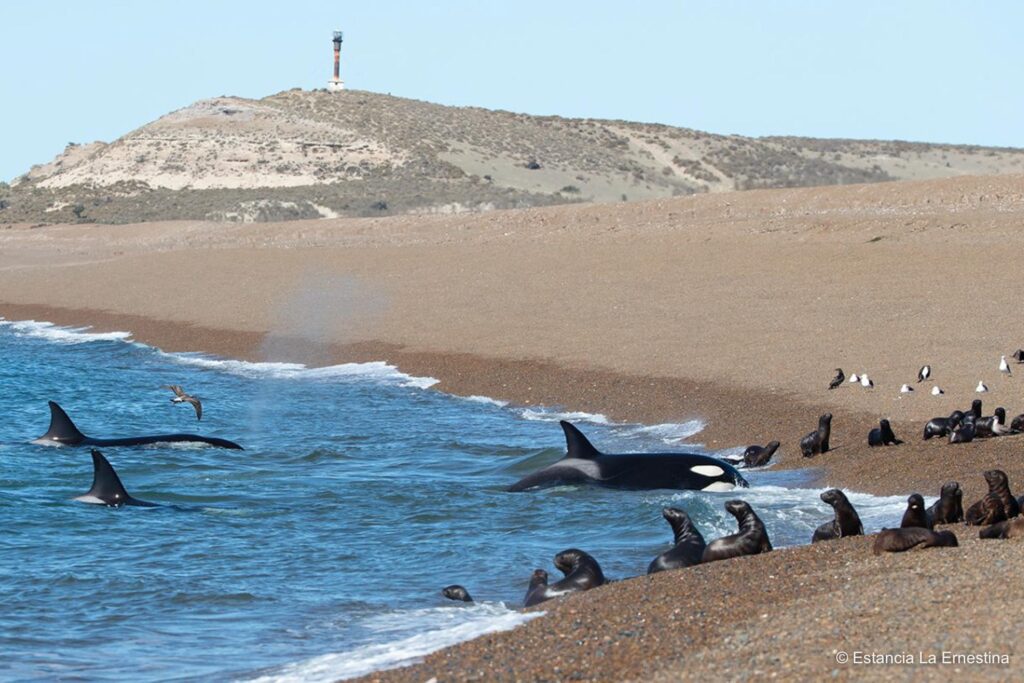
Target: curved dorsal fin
{"type": "Point", "coordinates": [106, 485]}
{"type": "Point", "coordinates": [62, 429]}
{"type": "Point", "coordinates": [577, 444]}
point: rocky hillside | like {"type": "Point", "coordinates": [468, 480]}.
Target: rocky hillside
{"type": "Point", "coordinates": [301, 154]}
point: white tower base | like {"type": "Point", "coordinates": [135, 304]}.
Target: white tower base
{"type": "Point", "coordinates": [335, 86]}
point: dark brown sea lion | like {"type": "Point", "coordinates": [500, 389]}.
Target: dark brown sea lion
{"type": "Point", "coordinates": [456, 592]}
{"type": "Point", "coordinates": [915, 514]}
{"type": "Point", "coordinates": [751, 539]}
{"type": "Point", "coordinates": [963, 432]}
{"type": "Point", "coordinates": [882, 435]}
{"type": "Point", "coordinates": [997, 505]}
{"type": "Point", "coordinates": [1011, 528]}
{"type": "Point", "coordinates": [816, 442]}
{"type": "Point", "coordinates": [899, 540]}
{"type": "Point", "coordinates": [689, 543]}
{"type": "Point", "coordinates": [949, 508]}
{"type": "Point", "coordinates": [942, 426]}
{"type": "Point", "coordinates": [846, 522]}
{"type": "Point", "coordinates": [757, 456]}
{"type": "Point", "coordinates": [535, 592]}
{"type": "Point", "coordinates": [581, 574]}
{"type": "Point", "coordinates": [993, 425]}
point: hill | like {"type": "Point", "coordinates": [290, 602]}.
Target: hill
{"type": "Point", "coordinates": [308, 154]}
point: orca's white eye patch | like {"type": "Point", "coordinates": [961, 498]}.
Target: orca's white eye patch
{"type": "Point", "coordinates": [707, 470]}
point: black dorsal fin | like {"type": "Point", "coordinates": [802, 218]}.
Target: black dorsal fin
{"type": "Point", "coordinates": [577, 444]}
{"type": "Point", "coordinates": [106, 485]}
{"type": "Point", "coordinates": [62, 429]}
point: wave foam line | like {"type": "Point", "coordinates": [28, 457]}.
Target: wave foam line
{"type": "Point", "coordinates": [59, 334]}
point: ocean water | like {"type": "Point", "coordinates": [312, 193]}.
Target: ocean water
{"type": "Point", "coordinates": [319, 551]}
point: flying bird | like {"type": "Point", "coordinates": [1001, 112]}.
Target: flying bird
{"type": "Point", "coordinates": [181, 397]}
{"type": "Point", "coordinates": [981, 388]}
{"type": "Point", "coordinates": [924, 373]}
{"type": "Point", "coordinates": [1004, 367]}
{"type": "Point", "coordinates": [839, 378]}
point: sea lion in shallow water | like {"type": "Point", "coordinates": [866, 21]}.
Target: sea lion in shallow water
{"type": "Point", "coordinates": [689, 543]}
{"type": "Point", "coordinates": [456, 592]}
{"type": "Point", "coordinates": [997, 505]}
{"type": "Point", "coordinates": [757, 456]}
{"type": "Point", "coordinates": [899, 540]}
{"type": "Point", "coordinates": [882, 435]}
{"type": "Point", "coordinates": [816, 442]}
{"type": "Point", "coordinates": [915, 514]}
{"type": "Point", "coordinates": [949, 508]}
{"type": "Point", "coordinates": [846, 522]}
{"type": "Point", "coordinates": [942, 426]}
{"type": "Point", "coordinates": [1011, 528]}
{"type": "Point", "coordinates": [582, 572]}
{"type": "Point", "coordinates": [751, 539]}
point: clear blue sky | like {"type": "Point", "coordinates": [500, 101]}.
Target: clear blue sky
{"type": "Point", "coordinates": [934, 71]}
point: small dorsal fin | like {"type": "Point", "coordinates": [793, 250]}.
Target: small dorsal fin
{"type": "Point", "coordinates": [577, 444]}
{"type": "Point", "coordinates": [62, 429]}
{"type": "Point", "coordinates": [106, 485]}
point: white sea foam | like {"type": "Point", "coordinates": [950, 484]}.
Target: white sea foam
{"type": "Point", "coordinates": [457, 624]}
{"type": "Point", "coordinates": [59, 334]}
{"type": "Point", "coordinates": [486, 400]}
{"type": "Point", "coordinates": [672, 432]}
{"type": "Point", "coordinates": [549, 415]}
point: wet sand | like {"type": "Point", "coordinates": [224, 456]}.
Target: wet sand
{"type": "Point", "coordinates": [731, 308]}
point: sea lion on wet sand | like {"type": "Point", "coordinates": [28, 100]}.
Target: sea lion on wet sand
{"type": "Point", "coordinates": [689, 543]}
{"type": "Point", "coordinates": [997, 505]}
{"type": "Point", "coordinates": [1011, 528]}
{"type": "Point", "coordinates": [751, 539]}
{"type": "Point", "coordinates": [882, 435]}
{"type": "Point", "coordinates": [846, 522]}
{"type": "Point", "coordinates": [949, 508]}
{"type": "Point", "coordinates": [581, 574]}
{"type": "Point", "coordinates": [915, 514]}
{"type": "Point", "coordinates": [899, 540]}
{"type": "Point", "coordinates": [757, 456]}
{"type": "Point", "coordinates": [456, 592]}
{"type": "Point", "coordinates": [816, 442]}
{"type": "Point", "coordinates": [941, 426]}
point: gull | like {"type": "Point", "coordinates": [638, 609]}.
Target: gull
{"type": "Point", "coordinates": [906, 389]}
{"type": "Point", "coordinates": [924, 373]}
{"type": "Point", "coordinates": [181, 397]}
{"type": "Point", "coordinates": [838, 379]}
{"type": "Point", "coordinates": [865, 382]}
{"type": "Point", "coordinates": [1004, 366]}
{"type": "Point", "coordinates": [855, 377]}
{"type": "Point", "coordinates": [981, 388]}
{"type": "Point", "coordinates": [936, 391]}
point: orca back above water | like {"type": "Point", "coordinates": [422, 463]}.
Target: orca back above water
{"type": "Point", "coordinates": [584, 464]}
{"type": "Point", "coordinates": [107, 488]}
{"type": "Point", "coordinates": [63, 432]}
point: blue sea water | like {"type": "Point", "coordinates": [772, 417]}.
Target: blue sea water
{"type": "Point", "coordinates": [319, 551]}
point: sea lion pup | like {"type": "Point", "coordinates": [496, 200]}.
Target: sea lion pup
{"type": "Point", "coordinates": [816, 442]}
{"type": "Point", "coordinates": [1017, 425]}
{"type": "Point", "coordinates": [942, 426]}
{"type": "Point", "coordinates": [975, 409]}
{"type": "Point", "coordinates": [846, 522]}
{"type": "Point", "coordinates": [899, 540]}
{"type": "Point", "coordinates": [456, 592]}
{"type": "Point", "coordinates": [964, 432]}
{"type": "Point", "coordinates": [535, 592]}
{"type": "Point", "coordinates": [581, 574]}
{"type": "Point", "coordinates": [949, 508]}
{"type": "Point", "coordinates": [915, 514]}
{"type": "Point", "coordinates": [1011, 528]}
{"type": "Point", "coordinates": [997, 505]}
{"type": "Point", "coordinates": [993, 425]}
{"type": "Point", "coordinates": [882, 435]}
{"type": "Point", "coordinates": [751, 539]}
{"type": "Point", "coordinates": [689, 543]}
{"type": "Point", "coordinates": [756, 456]}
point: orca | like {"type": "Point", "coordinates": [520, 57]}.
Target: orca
{"type": "Point", "coordinates": [63, 432]}
{"type": "Point", "coordinates": [107, 488]}
{"type": "Point", "coordinates": [584, 464]}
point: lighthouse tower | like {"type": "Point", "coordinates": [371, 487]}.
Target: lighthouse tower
{"type": "Point", "coordinates": [336, 84]}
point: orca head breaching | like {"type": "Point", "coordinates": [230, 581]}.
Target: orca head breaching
{"type": "Point", "coordinates": [584, 464]}
{"type": "Point", "coordinates": [63, 432]}
{"type": "Point", "coordinates": [107, 488]}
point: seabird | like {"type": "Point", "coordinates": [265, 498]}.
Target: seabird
{"type": "Point", "coordinates": [855, 378]}
{"type": "Point", "coordinates": [981, 388]}
{"type": "Point", "coordinates": [1004, 366]}
{"type": "Point", "coordinates": [181, 397]}
{"type": "Point", "coordinates": [866, 382]}
{"type": "Point", "coordinates": [936, 391]}
{"type": "Point", "coordinates": [906, 389]}
{"type": "Point", "coordinates": [838, 379]}
{"type": "Point", "coordinates": [924, 373]}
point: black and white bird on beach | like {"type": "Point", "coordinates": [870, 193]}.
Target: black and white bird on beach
{"type": "Point", "coordinates": [181, 397]}
{"type": "Point", "coordinates": [839, 379]}
{"type": "Point", "coordinates": [924, 373]}
{"type": "Point", "coordinates": [1004, 367]}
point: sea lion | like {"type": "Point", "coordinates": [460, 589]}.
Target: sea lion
{"type": "Point", "coordinates": [846, 522]}
{"type": "Point", "coordinates": [997, 505]}
{"type": "Point", "coordinates": [1011, 528]}
{"type": "Point", "coordinates": [751, 539]}
{"type": "Point", "coordinates": [456, 592]}
{"type": "Point", "coordinates": [581, 574]}
{"type": "Point", "coordinates": [915, 514]}
{"type": "Point", "coordinates": [975, 409]}
{"type": "Point", "coordinates": [689, 544]}
{"type": "Point", "coordinates": [757, 456]}
{"type": "Point", "coordinates": [964, 432]}
{"type": "Point", "coordinates": [1017, 425]}
{"type": "Point", "coordinates": [993, 425]}
{"type": "Point", "coordinates": [882, 435]}
{"type": "Point", "coordinates": [536, 591]}
{"type": "Point", "coordinates": [941, 426]}
{"type": "Point", "coordinates": [816, 442]}
{"type": "Point", "coordinates": [949, 508]}
{"type": "Point", "coordinates": [899, 540]}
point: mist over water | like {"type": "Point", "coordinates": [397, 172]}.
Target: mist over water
{"type": "Point", "coordinates": [320, 550]}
